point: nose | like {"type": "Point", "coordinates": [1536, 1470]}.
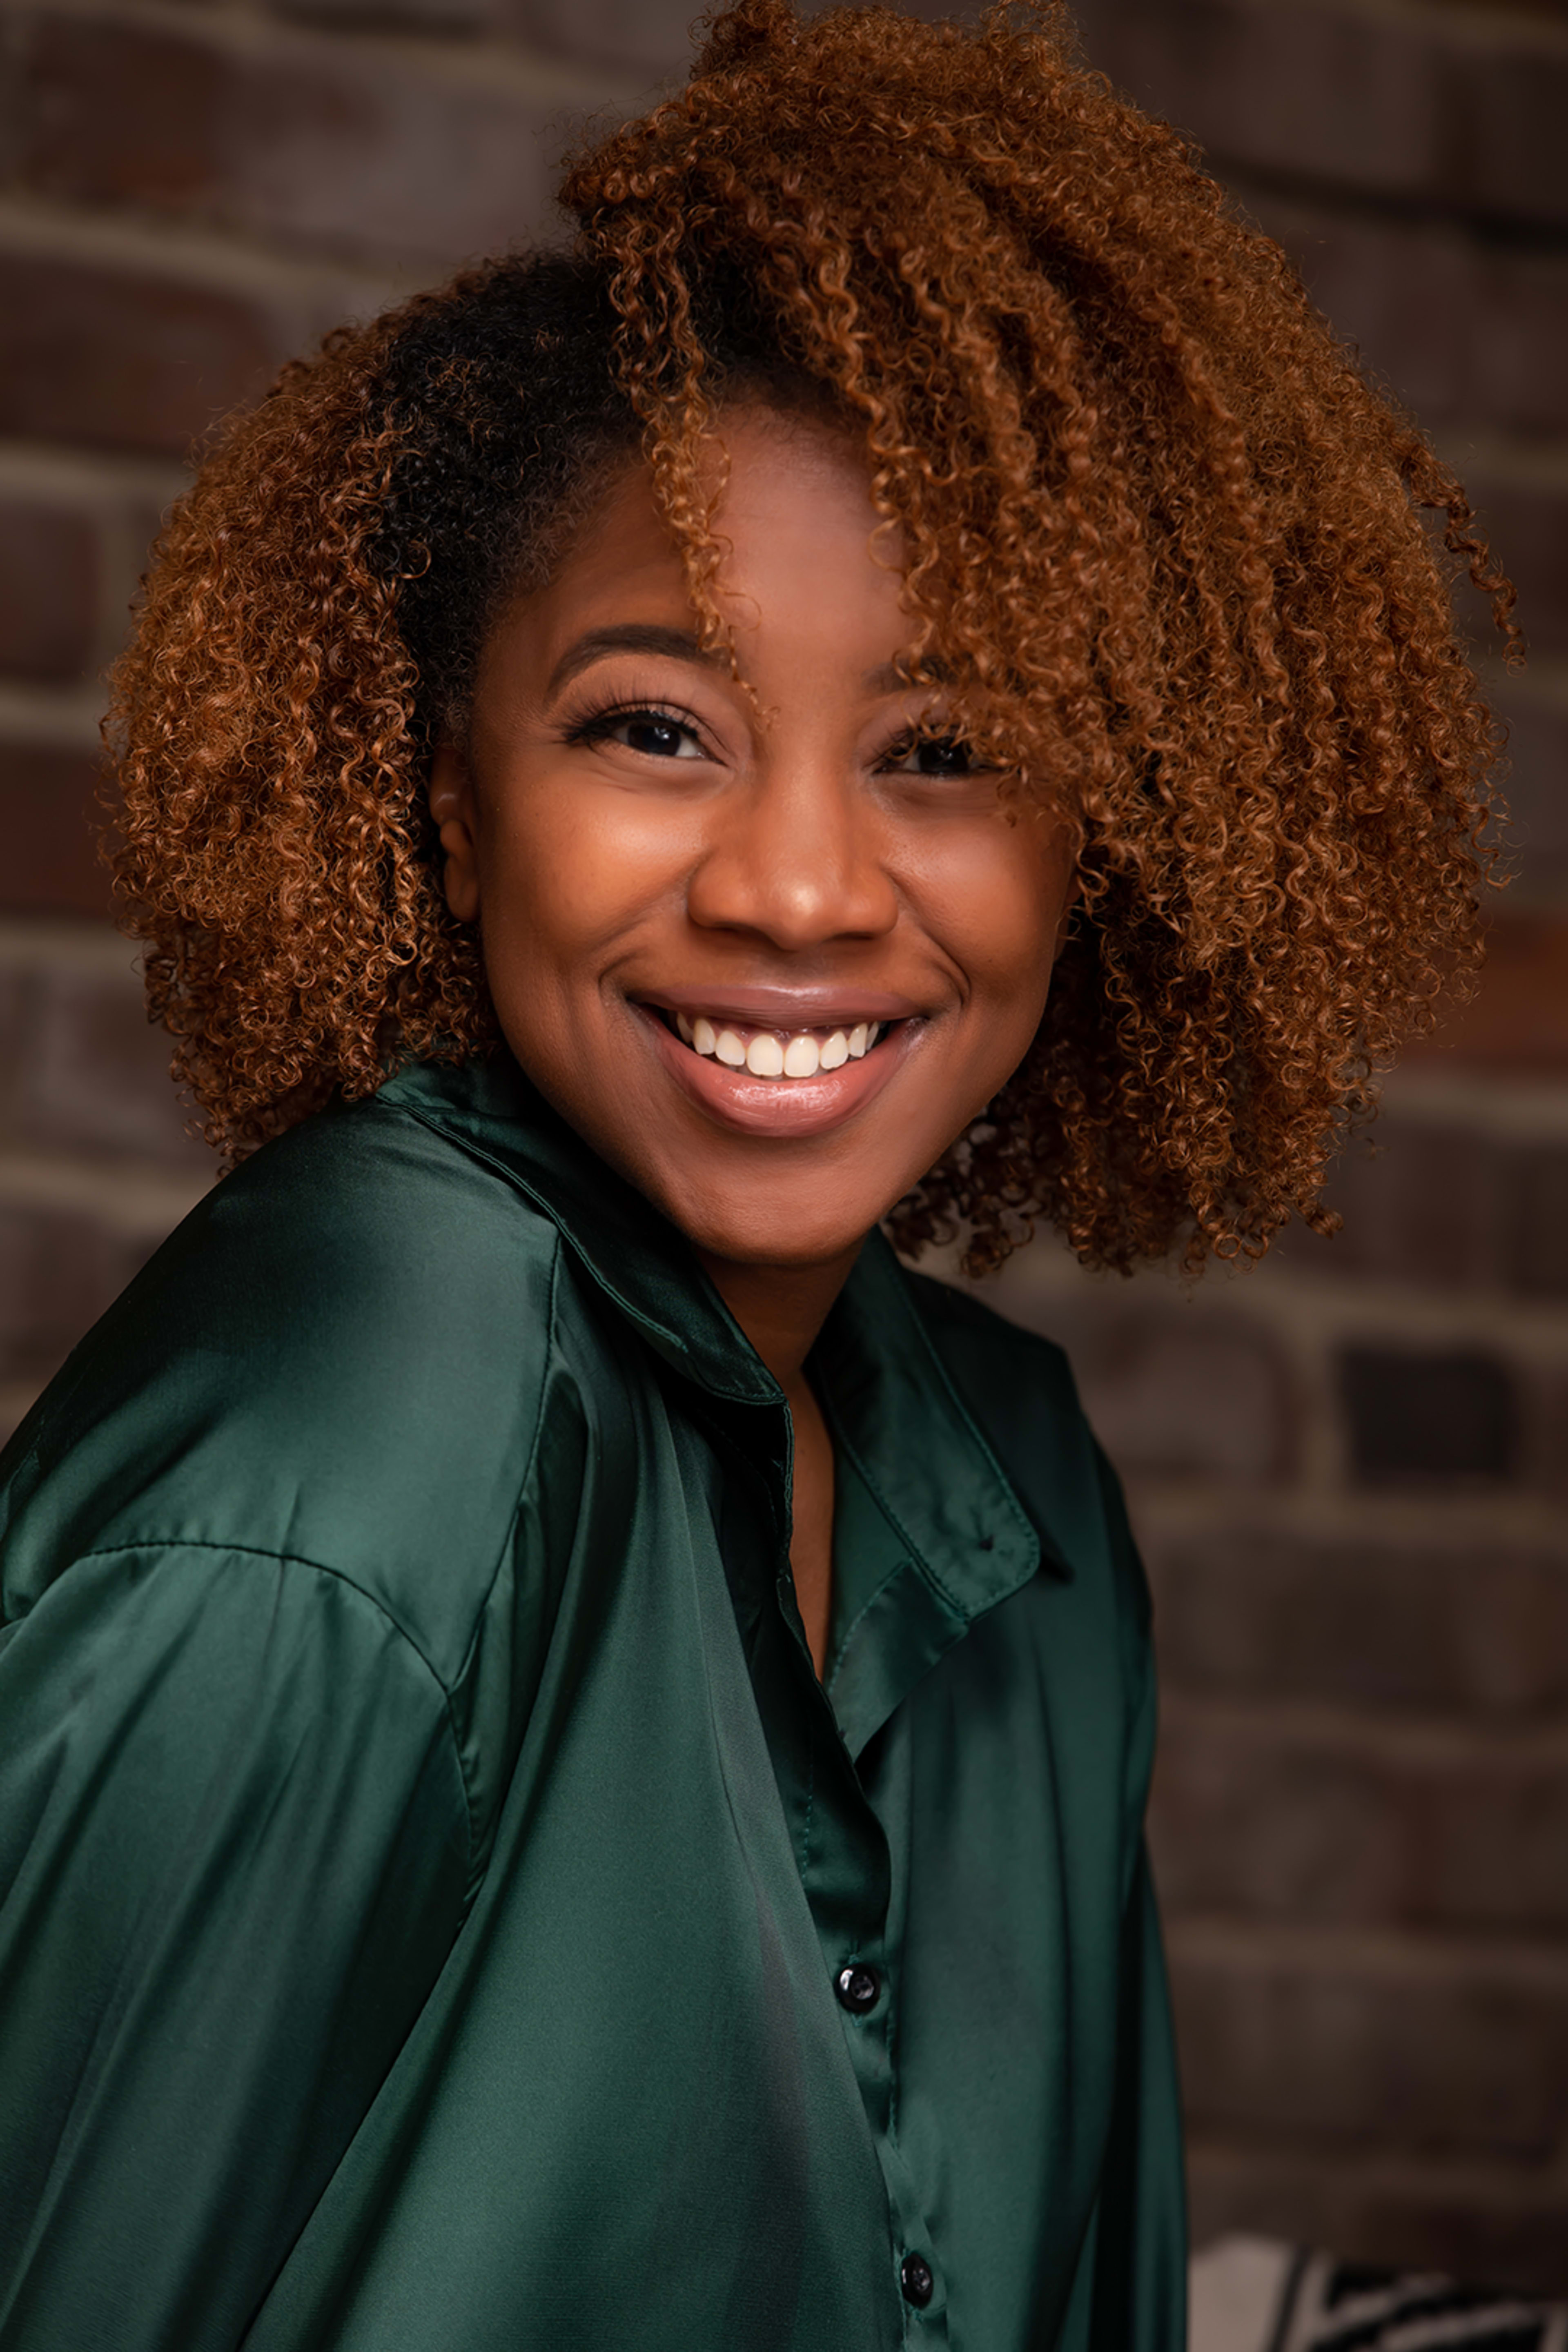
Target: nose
{"type": "Point", "coordinates": [798, 857]}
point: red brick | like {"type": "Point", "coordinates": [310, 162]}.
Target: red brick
{"type": "Point", "coordinates": [630, 37]}
{"type": "Point", "coordinates": [82, 1070]}
{"type": "Point", "coordinates": [1330, 2047]}
{"type": "Point", "coordinates": [1175, 1392]}
{"type": "Point", "coordinates": [49, 590]}
{"type": "Point", "coordinates": [58, 1271]}
{"type": "Point", "coordinates": [1535, 1220]}
{"type": "Point", "coordinates": [124, 360]}
{"type": "Point", "coordinates": [1460, 327]}
{"type": "Point", "coordinates": [1499, 2225]}
{"type": "Point", "coordinates": [1327, 1825]}
{"type": "Point", "coordinates": [397, 16]}
{"type": "Point", "coordinates": [1516, 101]}
{"type": "Point", "coordinates": [47, 823]}
{"type": "Point", "coordinates": [308, 143]}
{"type": "Point", "coordinates": [1432, 1624]}
{"type": "Point", "coordinates": [1332, 92]}
{"type": "Point", "coordinates": [1537, 789]}
{"type": "Point", "coordinates": [1527, 527]}
{"type": "Point", "coordinates": [1404, 294]}
{"type": "Point", "coordinates": [1518, 1022]}
{"type": "Point", "coordinates": [1421, 1203]}
{"type": "Point", "coordinates": [1426, 1416]}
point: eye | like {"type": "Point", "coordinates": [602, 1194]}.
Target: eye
{"type": "Point", "coordinates": [657, 734]}
{"type": "Point", "coordinates": [931, 755]}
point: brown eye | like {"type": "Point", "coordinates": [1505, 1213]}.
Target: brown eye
{"type": "Point", "coordinates": [661, 738]}
{"type": "Point", "coordinates": [931, 755]}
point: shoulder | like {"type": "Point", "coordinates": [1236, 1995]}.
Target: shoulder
{"type": "Point", "coordinates": [1020, 1387]}
{"type": "Point", "coordinates": [338, 1358]}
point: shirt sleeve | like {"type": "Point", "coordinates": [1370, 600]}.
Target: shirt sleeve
{"type": "Point", "coordinates": [234, 1844]}
{"type": "Point", "coordinates": [1131, 2290]}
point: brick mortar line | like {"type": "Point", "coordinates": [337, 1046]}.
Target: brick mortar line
{"type": "Point", "coordinates": [1413, 1956]}
{"type": "Point", "coordinates": [1373, 1731]}
{"type": "Point", "coordinates": [66, 717]}
{"type": "Point", "coordinates": [473, 60]}
{"type": "Point", "coordinates": [126, 1196]}
{"type": "Point", "coordinates": [1469, 30]}
{"type": "Point", "coordinates": [89, 478]}
{"type": "Point", "coordinates": [67, 946]}
{"type": "Point", "coordinates": [1439, 2174]}
{"type": "Point", "coordinates": [1169, 1511]}
{"type": "Point", "coordinates": [210, 260]}
{"type": "Point", "coordinates": [1311, 1312]}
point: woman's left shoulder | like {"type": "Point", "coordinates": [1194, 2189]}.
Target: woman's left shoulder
{"type": "Point", "coordinates": [1018, 1388]}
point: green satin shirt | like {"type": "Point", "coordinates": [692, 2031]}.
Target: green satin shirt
{"type": "Point", "coordinates": [429, 1866]}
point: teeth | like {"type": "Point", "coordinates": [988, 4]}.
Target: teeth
{"type": "Point", "coordinates": [767, 1055]}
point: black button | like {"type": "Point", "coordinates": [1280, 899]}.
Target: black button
{"type": "Point", "coordinates": [858, 1988]}
{"type": "Point", "coordinates": [917, 2280]}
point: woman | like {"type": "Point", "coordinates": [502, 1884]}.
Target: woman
{"type": "Point", "coordinates": [576, 1738]}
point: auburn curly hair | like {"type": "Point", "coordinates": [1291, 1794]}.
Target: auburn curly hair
{"type": "Point", "coordinates": [1164, 542]}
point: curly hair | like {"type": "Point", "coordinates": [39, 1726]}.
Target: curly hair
{"type": "Point", "coordinates": [1183, 570]}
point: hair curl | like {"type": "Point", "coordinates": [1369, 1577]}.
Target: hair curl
{"type": "Point", "coordinates": [1166, 543]}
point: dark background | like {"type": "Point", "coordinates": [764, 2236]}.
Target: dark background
{"type": "Point", "coordinates": [1349, 1468]}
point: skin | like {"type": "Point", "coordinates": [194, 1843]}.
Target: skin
{"type": "Point", "coordinates": [639, 837]}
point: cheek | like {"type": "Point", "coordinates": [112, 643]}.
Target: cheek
{"type": "Point", "coordinates": [996, 902]}
{"type": "Point", "coordinates": [565, 870]}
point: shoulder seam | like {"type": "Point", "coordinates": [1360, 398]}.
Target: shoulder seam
{"type": "Point", "coordinates": [320, 1568]}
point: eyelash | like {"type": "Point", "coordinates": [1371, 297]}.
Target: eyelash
{"type": "Point", "coordinates": [596, 725]}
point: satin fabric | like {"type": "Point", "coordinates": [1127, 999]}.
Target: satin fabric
{"type": "Point", "coordinates": [426, 1852]}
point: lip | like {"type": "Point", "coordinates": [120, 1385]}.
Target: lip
{"type": "Point", "coordinates": [784, 1109]}
{"type": "Point", "coordinates": [810, 1007]}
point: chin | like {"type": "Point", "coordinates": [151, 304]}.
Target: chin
{"type": "Point", "coordinates": [772, 1233]}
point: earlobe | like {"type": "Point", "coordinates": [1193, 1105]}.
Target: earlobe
{"type": "Point", "coordinates": [451, 807]}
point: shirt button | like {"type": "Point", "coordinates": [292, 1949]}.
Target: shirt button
{"type": "Point", "coordinates": [858, 1988]}
{"type": "Point", "coordinates": [916, 2278]}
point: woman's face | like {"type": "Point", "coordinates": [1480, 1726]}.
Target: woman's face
{"type": "Point", "coordinates": [767, 953]}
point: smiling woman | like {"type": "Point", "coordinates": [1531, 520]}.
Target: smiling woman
{"type": "Point", "coordinates": [575, 1733]}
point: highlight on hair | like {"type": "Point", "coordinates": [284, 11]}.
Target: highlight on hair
{"type": "Point", "coordinates": [1183, 570]}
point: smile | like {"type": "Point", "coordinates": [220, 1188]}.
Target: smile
{"type": "Point", "coordinates": [777, 1054]}
{"type": "Point", "coordinates": [778, 1074]}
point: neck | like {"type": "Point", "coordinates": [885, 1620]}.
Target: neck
{"type": "Point", "coordinates": [781, 1308]}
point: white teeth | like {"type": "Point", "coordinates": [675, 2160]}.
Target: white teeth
{"type": "Point", "coordinates": [768, 1055]}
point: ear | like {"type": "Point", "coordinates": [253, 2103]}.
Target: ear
{"type": "Point", "coordinates": [452, 807]}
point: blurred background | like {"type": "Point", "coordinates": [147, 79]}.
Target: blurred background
{"type": "Point", "coordinates": [1349, 1468]}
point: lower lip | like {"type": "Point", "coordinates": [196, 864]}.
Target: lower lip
{"type": "Point", "coordinates": [786, 1108]}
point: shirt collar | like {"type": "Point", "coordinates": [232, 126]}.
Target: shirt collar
{"type": "Point", "coordinates": [886, 1391]}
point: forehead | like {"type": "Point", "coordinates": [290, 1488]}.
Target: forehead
{"type": "Point", "coordinates": [796, 538]}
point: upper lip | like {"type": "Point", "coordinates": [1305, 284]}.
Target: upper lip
{"type": "Point", "coordinates": [813, 1006]}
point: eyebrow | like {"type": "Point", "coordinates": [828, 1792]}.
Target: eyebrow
{"type": "Point", "coordinates": [632, 637]}
{"type": "Point", "coordinates": [680, 644]}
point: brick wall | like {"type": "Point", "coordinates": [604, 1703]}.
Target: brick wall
{"type": "Point", "coordinates": [1349, 1467]}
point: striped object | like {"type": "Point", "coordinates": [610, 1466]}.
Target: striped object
{"type": "Point", "coordinates": [1253, 2295]}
